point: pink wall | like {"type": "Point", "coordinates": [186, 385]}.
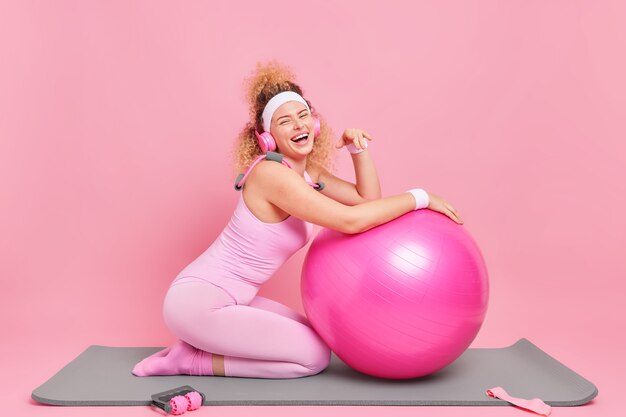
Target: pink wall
{"type": "Point", "coordinates": [117, 121]}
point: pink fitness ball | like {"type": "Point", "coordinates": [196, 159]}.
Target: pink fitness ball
{"type": "Point", "coordinates": [402, 300]}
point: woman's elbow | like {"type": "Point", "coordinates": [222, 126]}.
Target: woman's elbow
{"type": "Point", "coordinates": [352, 225]}
{"type": "Point", "coordinates": [371, 196]}
{"type": "Point", "coordinates": [361, 199]}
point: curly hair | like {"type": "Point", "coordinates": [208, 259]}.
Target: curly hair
{"type": "Point", "coordinates": [268, 80]}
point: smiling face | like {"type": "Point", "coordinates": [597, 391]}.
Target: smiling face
{"type": "Point", "coordinates": [293, 130]}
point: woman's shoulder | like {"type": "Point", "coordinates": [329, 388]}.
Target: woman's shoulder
{"type": "Point", "coordinates": [266, 172]}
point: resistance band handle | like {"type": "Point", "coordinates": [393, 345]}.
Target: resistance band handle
{"type": "Point", "coordinates": [276, 157]}
{"type": "Point", "coordinates": [238, 181]}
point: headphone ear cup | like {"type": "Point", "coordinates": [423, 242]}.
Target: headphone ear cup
{"type": "Point", "coordinates": [317, 128]}
{"type": "Point", "coordinates": [266, 141]}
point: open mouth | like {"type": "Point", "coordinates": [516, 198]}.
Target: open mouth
{"type": "Point", "coordinates": [300, 138]}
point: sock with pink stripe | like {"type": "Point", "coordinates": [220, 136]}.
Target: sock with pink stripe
{"type": "Point", "coordinates": [178, 359]}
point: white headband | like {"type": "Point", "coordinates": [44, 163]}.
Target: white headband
{"type": "Point", "coordinates": [277, 101]}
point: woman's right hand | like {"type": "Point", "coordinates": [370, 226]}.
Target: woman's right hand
{"type": "Point", "coordinates": [354, 136]}
{"type": "Point", "coordinates": [440, 205]}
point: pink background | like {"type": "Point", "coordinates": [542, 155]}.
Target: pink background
{"type": "Point", "coordinates": [117, 121]}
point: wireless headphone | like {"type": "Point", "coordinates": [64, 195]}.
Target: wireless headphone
{"type": "Point", "coordinates": [267, 142]}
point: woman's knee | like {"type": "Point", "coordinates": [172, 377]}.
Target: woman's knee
{"type": "Point", "coordinates": [320, 359]}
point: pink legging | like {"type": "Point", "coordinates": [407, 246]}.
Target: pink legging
{"type": "Point", "coordinates": [263, 339]}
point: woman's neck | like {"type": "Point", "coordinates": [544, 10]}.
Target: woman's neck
{"type": "Point", "coordinates": [298, 165]}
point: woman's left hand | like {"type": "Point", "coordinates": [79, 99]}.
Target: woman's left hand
{"type": "Point", "coordinates": [355, 136]}
{"type": "Point", "coordinates": [440, 205]}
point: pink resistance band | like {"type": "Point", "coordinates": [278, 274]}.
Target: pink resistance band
{"type": "Point", "coordinates": [535, 405]}
{"type": "Point", "coordinates": [273, 156]}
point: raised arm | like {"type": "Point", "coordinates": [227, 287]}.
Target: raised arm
{"type": "Point", "coordinates": [367, 185]}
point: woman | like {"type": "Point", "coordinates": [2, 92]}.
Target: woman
{"type": "Point", "coordinates": [224, 328]}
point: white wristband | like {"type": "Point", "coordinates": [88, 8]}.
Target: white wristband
{"type": "Point", "coordinates": [421, 198]}
{"type": "Point", "coordinates": [354, 150]}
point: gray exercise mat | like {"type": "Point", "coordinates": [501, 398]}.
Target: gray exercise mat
{"type": "Point", "coordinates": [102, 376]}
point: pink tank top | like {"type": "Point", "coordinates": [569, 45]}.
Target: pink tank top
{"type": "Point", "coordinates": [247, 252]}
